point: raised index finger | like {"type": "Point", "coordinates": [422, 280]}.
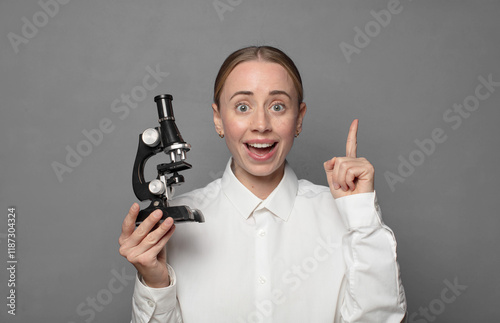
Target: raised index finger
{"type": "Point", "coordinates": [352, 141]}
{"type": "Point", "coordinates": [128, 225]}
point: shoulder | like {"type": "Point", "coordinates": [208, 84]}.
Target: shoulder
{"type": "Point", "coordinates": [310, 190]}
{"type": "Point", "coordinates": [200, 197]}
{"type": "Point", "coordinates": [314, 197]}
{"type": "Point", "coordinates": [315, 204]}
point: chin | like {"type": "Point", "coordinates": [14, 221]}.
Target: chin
{"type": "Point", "coordinates": [264, 170]}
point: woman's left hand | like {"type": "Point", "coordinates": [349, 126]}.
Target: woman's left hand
{"type": "Point", "coordinates": [350, 175]}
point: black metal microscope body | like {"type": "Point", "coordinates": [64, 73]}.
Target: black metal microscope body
{"type": "Point", "coordinates": [166, 138]}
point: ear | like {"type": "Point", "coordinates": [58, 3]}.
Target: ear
{"type": "Point", "coordinates": [300, 117]}
{"type": "Point", "coordinates": [217, 120]}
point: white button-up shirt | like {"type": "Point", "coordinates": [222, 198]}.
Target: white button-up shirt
{"type": "Point", "coordinates": [297, 256]}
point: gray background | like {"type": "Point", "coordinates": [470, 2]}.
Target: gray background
{"type": "Point", "coordinates": [65, 76]}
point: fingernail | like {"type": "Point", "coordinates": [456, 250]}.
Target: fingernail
{"type": "Point", "coordinates": [135, 206]}
{"type": "Point", "coordinates": [336, 186]}
{"type": "Point", "coordinates": [168, 222]}
{"type": "Point", "coordinates": [157, 214]}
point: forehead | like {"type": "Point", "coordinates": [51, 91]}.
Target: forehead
{"type": "Point", "coordinates": [259, 76]}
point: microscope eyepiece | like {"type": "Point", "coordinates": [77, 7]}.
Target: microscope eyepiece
{"type": "Point", "coordinates": [164, 105]}
{"type": "Point", "coordinates": [173, 144]}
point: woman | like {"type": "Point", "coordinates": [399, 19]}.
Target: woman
{"type": "Point", "coordinates": [273, 248]}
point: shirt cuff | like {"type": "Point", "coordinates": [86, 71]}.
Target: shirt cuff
{"type": "Point", "coordinates": [360, 210]}
{"type": "Point", "coordinates": [156, 300]}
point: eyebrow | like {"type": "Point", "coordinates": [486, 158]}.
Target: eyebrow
{"type": "Point", "coordinates": [242, 93]}
{"type": "Point", "coordinates": [277, 92]}
{"type": "Point", "coordinates": [274, 92]}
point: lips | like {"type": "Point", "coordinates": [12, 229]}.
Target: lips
{"type": "Point", "coordinates": [261, 150]}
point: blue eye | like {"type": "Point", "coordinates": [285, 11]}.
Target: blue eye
{"type": "Point", "coordinates": [242, 107]}
{"type": "Point", "coordinates": [278, 107]}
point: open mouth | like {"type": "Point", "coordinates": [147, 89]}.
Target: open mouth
{"type": "Point", "coordinates": [261, 149]}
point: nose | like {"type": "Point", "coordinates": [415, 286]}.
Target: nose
{"type": "Point", "coordinates": [261, 120]}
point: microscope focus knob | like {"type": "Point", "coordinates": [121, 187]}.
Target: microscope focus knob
{"type": "Point", "coordinates": [156, 187]}
{"type": "Point", "coordinates": [151, 137]}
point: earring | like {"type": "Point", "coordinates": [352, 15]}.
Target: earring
{"type": "Point", "coordinates": [221, 135]}
{"type": "Point", "coordinates": [297, 134]}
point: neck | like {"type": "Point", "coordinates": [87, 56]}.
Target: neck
{"type": "Point", "coordinates": [260, 186]}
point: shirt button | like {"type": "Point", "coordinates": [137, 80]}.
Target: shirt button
{"type": "Point", "coordinates": [151, 304]}
{"type": "Point", "coordinates": [262, 279]}
{"type": "Point", "coordinates": [262, 233]}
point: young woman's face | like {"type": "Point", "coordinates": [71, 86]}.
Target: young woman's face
{"type": "Point", "coordinates": [259, 115]}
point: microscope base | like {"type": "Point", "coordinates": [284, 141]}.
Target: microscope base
{"type": "Point", "coordinates": [180, 213]}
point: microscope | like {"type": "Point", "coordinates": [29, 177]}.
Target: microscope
{"type": "Point", "coordinates": [165, 138]}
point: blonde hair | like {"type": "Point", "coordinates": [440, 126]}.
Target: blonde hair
{"type": "Point", "coordinates": [257, 53]}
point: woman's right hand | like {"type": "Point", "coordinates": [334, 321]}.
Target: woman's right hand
{"type": "Point", "coordinates": [146, 248]}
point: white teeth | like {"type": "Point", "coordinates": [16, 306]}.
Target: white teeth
{"type": "Point", "coordinates": [260, 145]}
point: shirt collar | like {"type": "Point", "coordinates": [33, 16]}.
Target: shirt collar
{"type": "Point", "coordinates": [279, 202]}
